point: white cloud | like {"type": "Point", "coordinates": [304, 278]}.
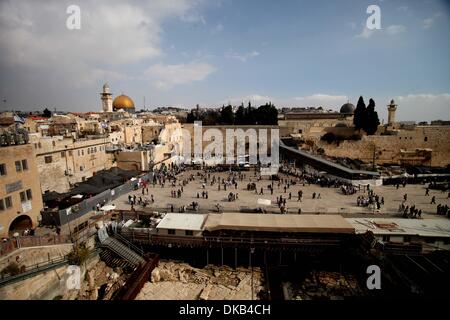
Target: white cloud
{"type": "Point", "coordinates": [314, 100]}
{"type": "Point", "coordinates": [33, 36]}
{"type": "Point", "coordinates": [255, 100]}
{"type": "Point", "coordinates": [319, 99]}
{"type": "Point", "coordinates": [395, 29]}
{"type": "Point", "coordinates": [365, 33]}
{"type": "Point", "coordinates": [242, 56]}
{"type": "Point", "coordinates": [428, 23]}
{"type": "Point", "coordinates": [390, 30]}
{"type": "Point", "coordinates": [167, 76]}
{"type": "Point", "coordinates": [193, 18]}
{"type": "Point", "coordinates": [424, 107]}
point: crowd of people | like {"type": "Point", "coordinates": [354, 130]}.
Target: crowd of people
{"type": "Point", "coordinates": [371, 199]}
{"type": "Point", "coordinates": [409, 211]}
{"type": "Point", "coordinates": [443, 210]}
{"type": "Point", "coordinates": [209, 179]}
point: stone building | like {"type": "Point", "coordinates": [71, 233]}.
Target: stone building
{"type": "Point", "coordinates": [419, 145]}
{"type": "Point", "coordinates": [393, 143]}
{"type": "Point", "coordinates": [62, 162]}
{"type": "Point", "coordinates": [20, 192]}
{"type": "Point", "coordinates": [307, 123]}
{"type": "Point", "coordinates": [242, 141]}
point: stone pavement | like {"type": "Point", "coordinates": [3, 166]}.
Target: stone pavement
{"type": "Point", "coordinates": [332, 201]}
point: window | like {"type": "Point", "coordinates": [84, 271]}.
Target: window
{"type": "Point", "coordinates": [2, 205]}
{"type": "Point", "coordinates": [82, 152]}
{"type": "Point", "coordinates": [25, 164]}
{"type": "Point", "coordinates": [29, 194]}
{"type": "Point", "coordinates": [78, 152]}
{"type": "Point", "coordinates": [23, 196]}
{"type": "Point", "coordinates": [189, 233]}
{"type": "Point", "coordinates": [18, 166]}
{"type": "Point", "coordinates": [63, 154]}
{"type": "Point", "coordinates": [2, 169]}
{"type": "Point", "coordinates": [8, 202]}
{"type": "Point", "coordinates": [425, 139]}
{"type": "Point", "coordinates": [39, 145]}
{"type": "Point", "coordinates": [48, 159]}
{"type": "Point", "coordinates": [171, 231]}
{"type": "Point", "coordinates": [70, 153]}
{"type": "Point", "coordinates": [407, 239]}
{"type": "Point", "coordinates": [386, 238]}
{"type": "Point", "coordinates": [81, 168]}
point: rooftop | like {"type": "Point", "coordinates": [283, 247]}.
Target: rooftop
{"type": "Point", "coordinates": [182, 221]}
{"type": "Point", "coordinates": [278, 223]}
{"type": "Point", "coordinates": [401, 226]}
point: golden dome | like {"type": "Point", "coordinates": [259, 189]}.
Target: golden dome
{"type": "Point", "coordinates": [123, 102]}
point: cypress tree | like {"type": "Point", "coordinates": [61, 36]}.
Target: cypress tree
{"type": "Point", "coordinates": [372, 121]}
{"type": "Point", "coordinates": [360, 116]}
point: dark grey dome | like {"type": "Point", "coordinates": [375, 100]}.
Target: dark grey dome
{"type": "Point", "coordinates": [348, 108]}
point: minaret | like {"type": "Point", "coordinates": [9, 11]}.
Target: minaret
{"type": "Point", "coordinates": [106, 97]}
{"type": "Point", "coordinates": [391, 113]}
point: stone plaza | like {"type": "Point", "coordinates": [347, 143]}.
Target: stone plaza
{"type": "Point", "coordinates": [328, 200]}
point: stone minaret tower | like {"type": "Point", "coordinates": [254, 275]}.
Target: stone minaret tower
{"type": "Point", "coordinates": [106, 97]}
{"type": "Point", "coordinates": [391, 113]}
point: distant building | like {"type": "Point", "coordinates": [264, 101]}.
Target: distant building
{"type": "Point", "coordinates": [20, 193]}
{"type": "Point", "coordinates": [122, 102]}
{"type": "Point", "coordinates": [313, 121]}
{"type": "Point", "coordinates": [62, 162]}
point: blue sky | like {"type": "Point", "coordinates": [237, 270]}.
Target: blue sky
{"type": "Point", "coordinates": [293, 53]}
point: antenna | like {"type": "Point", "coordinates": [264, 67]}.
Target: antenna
{"type": "Point", "coordinates": [144, 102]}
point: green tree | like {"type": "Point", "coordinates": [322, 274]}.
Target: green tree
{"type": "Point", "coordinates": [249, 115]}
{"type": "Point", "coordinates": [227, 115]}
{"type": "Point", "coordinates": [191, 117]}
{"type": "Point", "coordinates": [360, 116]}
{"type": "Point", "coordinates": [239, 117]}
{"type": "Point", "coordinates": [210, 118]}
{"type": "Point", "coordinates": [46, 113]}
{"type": "Point", "coordinates": [372, 120]}
{"type": "Point", "coordinates": [267, 114]}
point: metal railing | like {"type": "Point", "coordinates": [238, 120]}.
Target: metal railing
{"type": "Point", "coordinates": [129, 244]}
{"type": "Point", "coordinates": [31, 271]}
{"type": "Point", "coordinates": [149, 238]}
{"type": "Point", "coordinates": [32, 241]}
